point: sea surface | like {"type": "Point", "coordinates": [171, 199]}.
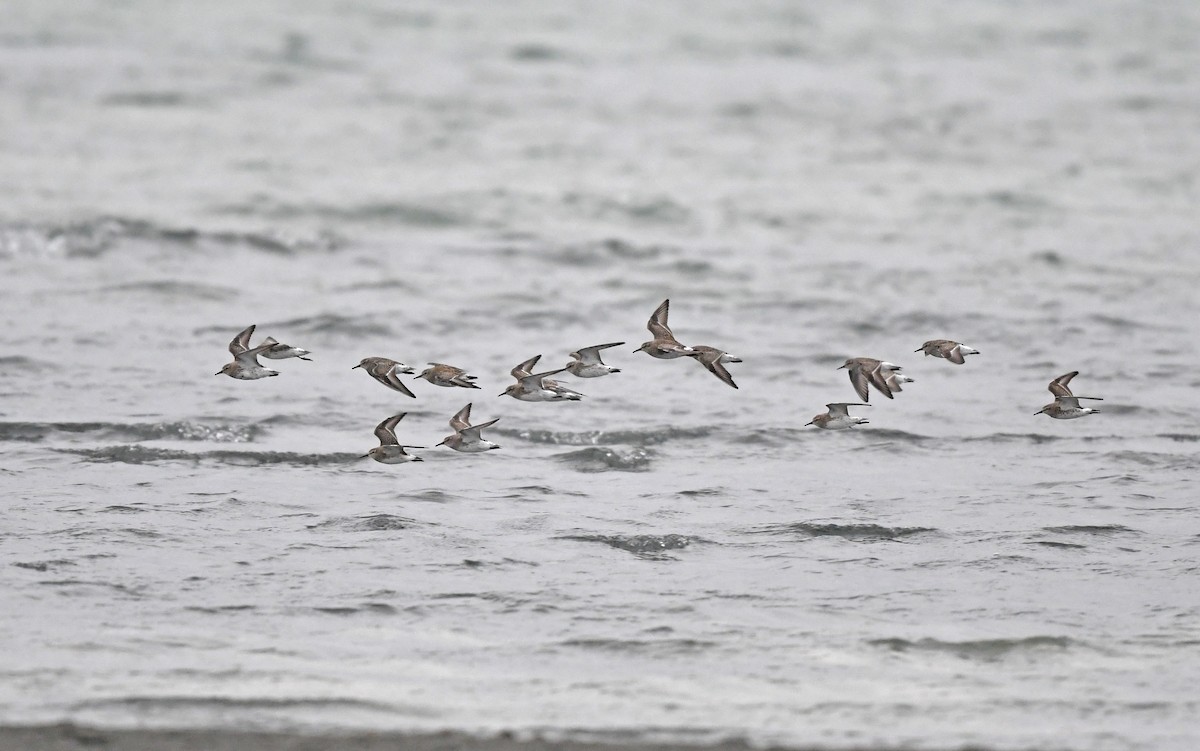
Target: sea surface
{"type": "Point", "coordinates": [477, 183]}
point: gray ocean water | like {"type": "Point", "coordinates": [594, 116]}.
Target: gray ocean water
{"type": "Point", "coordinates": [477, 183]}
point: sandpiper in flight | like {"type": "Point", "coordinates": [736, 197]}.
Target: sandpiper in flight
{"type": "Point", "coordinates": [864, 370]}
{"type": "Point", "coordinates": [279, 351]}
{"type": "Point", "coordinates": [1066, 405]}
{"type": "Point", "coordinates": [525, 369]}
{"type": "Point", "coordinates": [664, 345]}
{"type": "Point", "coordinates": [466, 436]}
{"type": "Point", "coordinates": [387, 372]}
{"type": "Point", "coordinates": [389, 450]}
{"type": "Point", "coordinates": [714, 359]}
{"type": "Point", "coordinates": [447, 375]}
{"type": "Point", "coordinates": [586, 362]}
{"type": "Point", "coordinates": [953, 351]}
{"type": "Point", "coordinates": [245, 365]}
{"type": "Point", "coordinates": [838, 417]}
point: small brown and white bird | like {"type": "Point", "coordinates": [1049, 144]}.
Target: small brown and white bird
{"type": "Point", "coordinates": [447, 375]}
{"type": "Point", "coordinates": [664, 345]}
{"type": "Point", "coordinates": [864, 370]}
{"type": "Point", "coordinates": [279, 351]}
{"type": "Point", "coordinates": [245, 365]}
{"type": "Point", "coordinates": [466, 436]}
{"type": "Point", "coordinates": [838, 417]}
{"type": "Point", "coordinates": [586, 362]}
{"type": "Point", "coordinates": [1066, 405]}
{"type": "Point", "coordinates": [714, 360]}
{"type": "Point", "coordinates": [389, 450]}
{"type": "Point", "coordinates": [532, 391]}
{"type": "Point", "coordinates": [387, 372]}
{"type": "Point", "coordinates": [955, 352]}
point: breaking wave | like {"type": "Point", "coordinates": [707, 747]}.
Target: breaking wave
{"type": "Point", "coordinates": [94, 238]}
{"type": "Point", "coordinates": [856, 532]}
{"type": "Point", "coordinates": [606, 437]}
{"type": "Point", "coordinates": [983, 649]}
{"type": "Point", "coordinates": [643, 545]}
{"type": "Point", "coordinates": [217, 432]}
{"type": "Point", "coordinates": [606, 459]}
{"type": "Point", "coordinates": [134, 454]}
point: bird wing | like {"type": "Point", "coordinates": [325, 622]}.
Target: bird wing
{"type": "Point", "coordinates": [386, 430]}
{"type": "Point", "coordinates": [534, 380]}
{"type": "Point", "coordinates": [249, 357]}
{"type": "Point", "coordinates": [591, 355]}
{"type": "Point", "coordinates": [953, 353]}
{"type": "Point", "coordinates": [525, 368]}
{"type": "Point", "coordinates": [710, 358]}
{"type": "Point", "coordinates": [462, 419]}
{"type": "Point", "coordinates": [387, 376]}
{"type": "Point", "coordinates": [241, 342]}
{"type": "Point", "coordinates": [878, 378]}
{"type": "Point", "coordinates": [471, 434]}
{"type": "Point", "coordinates": [1059, 386]}
{"type": "Point", "coordinates": [840, 408]}
{"type": "Point", "coordinates": [559, 389]}
{"type": "Point", "coordinates": [858, 379]}
{"type": "Point", "coordinates": [658, 322]}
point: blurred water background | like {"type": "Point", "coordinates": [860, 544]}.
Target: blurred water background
{"type": "Point", "coordinates": [476, 183]}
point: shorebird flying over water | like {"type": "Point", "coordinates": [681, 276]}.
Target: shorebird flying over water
{"type": "Point", "coordinates": [1066, 405]}
{"type": "Point", "coordinates": [838, 417]}
{"type": "Point", "coordinates": [532, 391]}
{"type": "Point", "coordinates": [953, 351]}
{"type": "Point", "coordinates": [245, 365]}
{"type": "Point", "coordinates": [278, 351]}
{"type": "Point", "coordinates": [587, 363]}
{"type": "Point", "coordinates": [864, 370]}
{"type": "Point", "coordinates": [713, 359]}
{"type": "Point", "coordinates": [664, 345]}
{"type": "Point", "coordinates": [387, 372]}
{"type": "Point", "coordinates": [466, 436]}
{"type": "Point", "coordinates": [389, 450]}
{"type": "Point", "coordinates": [448, 376]}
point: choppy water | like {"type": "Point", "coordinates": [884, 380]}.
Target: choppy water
{"type": "Point", "coordinates": [477, 183]}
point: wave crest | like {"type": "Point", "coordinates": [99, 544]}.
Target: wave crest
{"type": "Point", "coordinates": [606, 437]}
{"type": "Point", "coordinates": [606, 459]}
{"type": "Point", "coordinates": [855, 532]}
{"type": "Point", "coordinates": [652, 546]}
{"type": "Point", "coordinates": [135, 454]}
{"type": "Point", "coordinates": [180, 431]}
{"type": "Point", "coordinates": [982, 649]}
{"type": "Point", "coordinates": [96, 237]}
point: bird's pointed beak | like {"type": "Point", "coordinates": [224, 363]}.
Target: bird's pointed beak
{"type": "Point", "coordinates": [808, 423]}
{"type": "Point", "coordinates": [916, 350]}
{"type": "Point", "coordinates": [840, 367]}
{"type": "Point", "coordinates": [357, 366]}
{"type": "Point", "coordinates": [365, 456]}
